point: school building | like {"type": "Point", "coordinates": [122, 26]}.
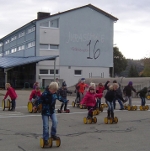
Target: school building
{"type": "Point", "coordinates": [68, 45]}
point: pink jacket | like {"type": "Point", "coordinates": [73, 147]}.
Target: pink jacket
{"type": "Point", "coordinates": [90, 99]}
{"type": "Point", "coordinates": [34, 94]}
{"type": "Point", "coordinates": [11, 92]}
{"type": "Point", "coordinates": [100, 89]}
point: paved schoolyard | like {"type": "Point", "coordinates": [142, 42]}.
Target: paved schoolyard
{"type": "Point", "coordinates": [21, 131]}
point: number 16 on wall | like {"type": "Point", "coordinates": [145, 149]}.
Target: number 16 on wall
{"type": "Point", "coordinates": [96, 53]}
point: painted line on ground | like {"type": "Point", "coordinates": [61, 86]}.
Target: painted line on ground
{"type": "Point", "coordinates": [59, 105]}
{"type": "Point", "coordinates": [19, 114]}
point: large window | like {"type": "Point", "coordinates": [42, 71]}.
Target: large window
{"type": "Point", "coordinates": [7, 41]}
{"type": "Point", "coordinates": [31, 44]}
{"type": "Point", "coordinates": [21, 47]}
{"type": "Point", "coordinates": [13, 38]}
{"type": "Point", "coordinates": [44, 46]}
{"type": "Point", "coordinates": [44, 24]}
{"type": "Point", "coordinates": [43, 71]}
{"type": "Point", "coordinates": [30, 30]}
{"type": "Point", "coordinates": [21, 34]}
{"type": "Point", "coordinates": [78, 72]}
{"type": "Point", "coordinates": [55, 23]}
{"type": "Point", "coordinates": [48, 47]}
{"type": "Point", "coordinates": [52, 71]}
{"type": "Point", "coordinates": [54, 46]}
{"type": "Point", "coordinates": [7, 52]}
{"type": "Point", "coordinates": [13, 50]}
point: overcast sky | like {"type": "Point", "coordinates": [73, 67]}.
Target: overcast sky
{"type": "Point", "coordinates": [131, 31]}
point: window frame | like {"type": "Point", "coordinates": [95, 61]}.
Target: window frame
{"type": "Point", "coordinates": [76, 73]}
{"type": "Point", "coordinates": [43, 73]}
{"type": "Point", "coordinates": [57, 71]}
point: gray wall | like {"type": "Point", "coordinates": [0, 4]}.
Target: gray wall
{"type": "Point", "coordinates": [29, 37]}
{"type": "Point", "coordinates": [77, 30]}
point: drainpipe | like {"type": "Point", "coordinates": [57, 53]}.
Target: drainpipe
{"type": "Point", "coordinates": [35, 37]}
{"type": "Point", "coordinates": [54, 69]}
{"type": "Point", "coordinates": [2, 48]}
{"type": "Point", "coordinates": [5, 76]}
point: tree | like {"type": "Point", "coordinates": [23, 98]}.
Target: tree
{"type": "Point", "coordinates": [146, 71]}
{"type": "Point", "coordinates": [120, 62]}
{"type": "Point", "coordinates": [133, 72]}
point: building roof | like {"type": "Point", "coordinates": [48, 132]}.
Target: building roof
{"type": "Point", "coordinates": [9, 62]}
{"type": "Point", "coordinates": [89, 5]}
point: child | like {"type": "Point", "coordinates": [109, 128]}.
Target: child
{"type": "Point", "coordinates": [81, 87]}
{"type": "Point", "coordinates": [35, 94]}
{"type": "Point", "coordinates": [142, 94]}
{"type": "Point", "coordinates": [57, 80]}
{"type": "Point", "coordinates": [110, 96]}
{"type": "Point", "coordinates": [12, 94]}
{"type": "Point", "coordinates": [48, 101]}
{"type": "Point", "coordinates": [107, 84]}
{"type": "Point", "coordinates": [77, 92]}
{"type": "Point", "coordinates": [90, 100]}
{"type": "Point", "coordinates": [100, 88]}
{"type": "Point", "coordinates": [63, 93]}
{"type": "Point", "coordinates": [128, 92]}
{"type": "Point", "coordinates": [119, 101]}
{"type": "Point", "coordinates": [35, 85]}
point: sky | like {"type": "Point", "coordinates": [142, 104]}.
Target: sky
{"type": "Point", "coordinates": [131, 31]}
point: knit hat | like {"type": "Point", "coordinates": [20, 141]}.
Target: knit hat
{"type": "Point", "coordinates": [91, 88]}
{"type": "Point", "coordinates": [37, 87]}
{"type": "Point", "coordinates": [64, 84]}
{"type": "Point", "coordinates": [130, 83]}
{"type": "Point", "coordinates": [114, 81]}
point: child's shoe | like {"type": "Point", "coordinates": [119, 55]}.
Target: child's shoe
{"type": "Point", "coordinates": [108, 114]}
{"type": "Point", "coordinates": [89, 117]}
{"type": "Point", "coordinates": [12, 109]}
{"type": "Point", "coordinates": [46, 142]}
{"type": "Point", "coordinates": [55, 137]}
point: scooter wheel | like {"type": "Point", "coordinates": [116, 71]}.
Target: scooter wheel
{"type": "Point", "coordinates": [89, 120]}
{"type": "Point", "coordinates": [129, 108]}
{"type": "Point", "coordinates": [94, 119]}
{"type": "Point", "coordinates": [81, 106]}
{"type": "Point", "coordinates": [50, 142]}
{"type": "Point", "coordinates": [58, 142]}
{"type": "Point", "coordinates": [106, 120]}
{"type": "Point", "coordinates": [116, 120]}
{"type": "Point", "coordinates": [85, 120]}
{"type": "Point", "coordinates": [30, 107]}
{"type": "Point", "coordinates": [141, 108]}
{"type": "Point", "coordinates": [110, 121]}
{"type": "Point", "coordinates": [3, 105]}
{"type": "Point", "coordinates": [147, 107]}
{"type": "Point", "coordinates": [41, 143]}
{"type": "Point", "coordinates": [101, 109]}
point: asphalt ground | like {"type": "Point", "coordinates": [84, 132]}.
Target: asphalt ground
{"type": "Point", "coordinates": [21, 130]}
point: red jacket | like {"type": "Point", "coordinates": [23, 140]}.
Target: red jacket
{"type": "Point", "coordinates": [90, 99]}
{"type": "Point", "coordinates": [34, 94]}
{"type": "Point", "coordinates": [11, 92]}
{"type": "Point", "coordinates": [81, 87]}
{"type": "Point", "coordinates": [100, 89]}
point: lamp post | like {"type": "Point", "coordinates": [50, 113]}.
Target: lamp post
{"type": "Point", "coordinates": [113, 74]}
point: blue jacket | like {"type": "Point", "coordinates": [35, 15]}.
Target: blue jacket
{"type": "Point", "coordinates": [48, 101]}
{"type": "Point", "coordinates": [63, 92]}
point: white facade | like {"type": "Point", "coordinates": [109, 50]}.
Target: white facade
{"type": "Point", "coordinates": [82, 37]}
{"type": "Point", "coordinates": [85, 45]}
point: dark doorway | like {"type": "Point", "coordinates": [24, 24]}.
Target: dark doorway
{"type": "Point", "coordinates": [22, 76]}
